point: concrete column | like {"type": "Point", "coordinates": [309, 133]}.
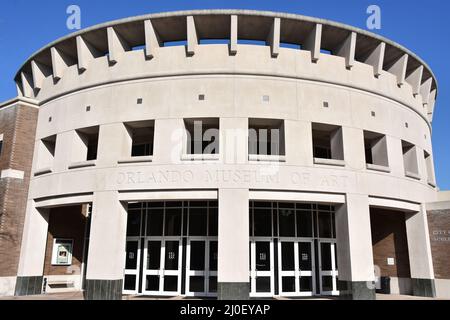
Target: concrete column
{"type": "Point", "coordinates": [233, 34]}
{"type": "Point", "coordinates": [27, 85]}
{"type": "Point", "coordinates": [117, 45]}
{"type": "Point", "coordinates": [420, 261]}
{"type": "Point", "coordinates": [273, 39]}
{"type": "Point", "coordinates": [354, 249]}
{"type": "Point", "coordinates": [233, 247]}
{"type": "Point", "coordinates": [425, 90]}
{"type": "Point", "coordinates": [192, 36]}
{"type": "Point", "coordinates": [114, 144]}
{"type": "Point", "coordinates": [60, 62]}
{"type": "Point", "coordinates": [415, 80]}
{"type": "Point", "coordinates": [313, 42]}
{"type": "Point", "coordinates": [152, 40]}
{"type": "Point", "coordinates": [347, 50]}
{"type": "Point", "coordinates": [399, 69]}
{"type": "Point", "coordinates": [376, 59]}
{"type": "Point", "coordinates": [63, 149]}
{"type": "Point", "coordinates": [32, 253]}
{"type": "Point", "coordinates": [171, 141]}
{"type": "Point", "coordinates": [299, 134]}
{"type": "Point", "coordinates": [353, 148]}
{"type": "Point", "coordinates": [107, 243]}
{"type": "Point", "coordinates": [39, 72]}
{"type": "Point", "coordinates": [395, 156]}
{"type": "Point", "coordinates": [86, 53]}
{"type": "Point", "coordinates": [234, 140]}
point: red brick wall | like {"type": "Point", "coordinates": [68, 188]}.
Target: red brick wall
{"type": "Point", "coordinates": [65, 223]}
{"type": "Point", "coordinates": [389, 241]}
{"type": "Point", "coordinates": [18, 125]}
{"type": "Point", "coordinates": [439, 227]}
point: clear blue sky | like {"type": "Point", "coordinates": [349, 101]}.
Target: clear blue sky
{"type": "Point", "coordinates": [421, 26]}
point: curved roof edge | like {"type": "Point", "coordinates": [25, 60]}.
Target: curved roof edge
{"type": "Point", "coordinates": [232, 12]}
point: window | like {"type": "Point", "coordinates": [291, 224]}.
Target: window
{"type": "Point", "coordinates": [46, 153]}
{"type": "Point", "coordinates": [86, 144]}
{"type": "Point", "coordinates": [1, 144]}
{"type": "Point", "coordinates": [376, 149]}
{"type": "Point", "coordinates": [430, 171]}
{"type": "Point", "coordinates": [410, 160]}
{"type": "Point", "coordinates": [62, 252]}
{"type": "Point", "coordinates": [266, 137]}
{"type": "Point", "coordinates": [142, 136]}
{"type": "Point", "coordinates": [327, 142]}
{"type": "Point", "coordinates": [202, 136]}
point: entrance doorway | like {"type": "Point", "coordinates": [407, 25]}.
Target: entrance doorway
{"type": "Point", "coordinates": [292, 250]}
{"type": "Point", "coordinates": [171, 249]}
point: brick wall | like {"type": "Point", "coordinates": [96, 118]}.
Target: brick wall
{"type": "Point", "coordinates": [65, 223]}
{"type": "Point", "coordinates": [439, 227]}
{"type": "Point", "coordinates": [18, 125]}
{"type": "Point", "coordinates": [389, 241]}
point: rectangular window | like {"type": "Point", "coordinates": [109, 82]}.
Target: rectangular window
{"type": "Point", "coordinates": [46, 153]}
{"type": "Point", "coordinates": [202, 136]}
{"type": "Point", "coordinates": [430, 170]}
{"type": "Point", "coordinates": [327, 142]}
{"type": "Point", "coordinates": [142, 137]}
{"type": "Point", "coordinates": [266, 137]}
{"type": "Point", "coordinates": [62, 252]}
{"type": "Point", "coordinates": [87, 143]}
{"type": "Point", "coordinates": [376, 149]}
{"type": "Point", "coordinates": [1, 143]}
{"type": "Point", "coordinates": [410, 160]}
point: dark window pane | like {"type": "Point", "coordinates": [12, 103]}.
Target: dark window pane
{"type": "Point", "coordinates": [287, 223]}
{"type": "Point", "coordinates": [174, 204]}
{"type": "Point", "coordinates": [171, 256]}
{"type": "Point", "coordinates": [132, 206]}
{"type": "Point", "coordinates": [154, 255]}
{"type": "Point", "coordinates": [288, 284]}
{"type": "Point", "coordinates": [262, 204]}
{"type": "Point", "coordinates": [327, 283]}
{"type": "Point", "coordinates": [197, 221]}
{"type": "Point", "coordinates": [212, 284]}
{"type": "Point", "coordinates": [132, 255]}
{"type": "Point", "coordinates": [304, 256]}
{"type": "Point", "coordinates": [287, 256]}
{"type": "Point", "coordinates": [197, 255]}
{"type": "Point", "coordinates": [156, 204]}
{"type": "Point", "coordinates": [325, 255]}
{"type": "Point", "coordinates": [263, 222]}
{"type": "Point", "coordinates": [170, 283]}
{"type": "Point", "coordinates": [306, 284]}
{"type": "Point", "coordinates": [213, 256]}
{"type": "Point", "coordinates": [134, 224]}
{"type": "Point", "coordinates": [202, 204]}
{"type": "Point", "coordinates": [173, 222]}
{"type": "Point", "coordinates": [130, 282]}
{"type": "Point", "coordinates": [263, 284]}
{"type": "Point", "coordinates": [303, 206]}
{"type": "Point", "coordinates": [304, 224]}
{"type": "Point", "coordinates": [213, 222]}
{"type": "Point", "coordinates": [155, 222]}
{"type": "Point", "coordinates": [251, 223]}
{"type": "Point", "coordinates": [325, 225]}
{"type": "Point", "coordinates": [286, 205]}
{"type": "Point", "coordinates": [152, 283]}
{"type": "Point", "coordinates": [263, 256]}
{"type": "Point", "coordinates": [196, 284]}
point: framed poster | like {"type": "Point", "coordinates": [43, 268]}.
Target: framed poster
{"type": "Point", "coordinates": [62, 252]}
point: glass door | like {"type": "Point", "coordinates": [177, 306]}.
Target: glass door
{"type": "Point", "coordinates": [296, 268]}
{"type": "Point", "coordinates": [132, 263]}
{"type": "Point", "coordinates": [328, 271]}
{"type": "Point", "coordinates": [201, 277]}
{"type": "Point", "coordinates": [261, 273]}
{"type": "Point", "coordinates": [162, 268]}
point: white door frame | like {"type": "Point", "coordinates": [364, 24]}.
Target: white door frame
{"type": "Point", "coordinates": [334, 272]}
{"type": "Point", "coordinates": [207, 273]}
{"type": "Point", "coordinates": [134, 272]}
{"type": "Point", "coordinates": [255, 274]}
{"type": "Point", "coordinates": [296, 273]}
{"type": "Point", "coordinates": [162, 272]}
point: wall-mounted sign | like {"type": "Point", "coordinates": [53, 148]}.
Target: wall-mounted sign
{"type": "Point", "coordinates": [62, 252]}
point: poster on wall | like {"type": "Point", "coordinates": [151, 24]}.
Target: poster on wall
{"type": "Point", "coordinates": [63, 252]}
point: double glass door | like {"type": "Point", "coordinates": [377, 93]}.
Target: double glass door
{"type": "Point", "coordinates": [328, 268]}
{"type": "Point", "coordinates": [162, 266]}
{"type": "Point", "coordinates": [296, 267]}
{"type": "Point", "coordinates": [201, 267]}
{"type": "Point", "coordinates": [261, 268]}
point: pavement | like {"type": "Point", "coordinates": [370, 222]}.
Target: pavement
{"type": "Point", "coordinates": [79, 296]}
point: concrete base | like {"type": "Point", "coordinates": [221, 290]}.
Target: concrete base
{"type": "Point", "coordinates": [28, 286]}
{"type": "Point", "coordinates": [442, 288]}
{"type": "Point", "coordinates": [7, 285]}
{"type": "Point", "coordinates": [103, 290]}
{"type": "Point", "coordinates": [233, 291]}
{"type": "Point", "coordinates": [358, 290]}
{"type": "Point", "coordinates": [423, 288]}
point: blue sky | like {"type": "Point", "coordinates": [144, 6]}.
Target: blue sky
{"type": "Point", "coordinates": [421, 26]}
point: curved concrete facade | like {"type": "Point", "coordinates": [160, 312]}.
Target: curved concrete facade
{"type": "Point", "coordinates": [368, 93]}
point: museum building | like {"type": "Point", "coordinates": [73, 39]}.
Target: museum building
{"type": "Point", "coordinates": [222, 153]}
